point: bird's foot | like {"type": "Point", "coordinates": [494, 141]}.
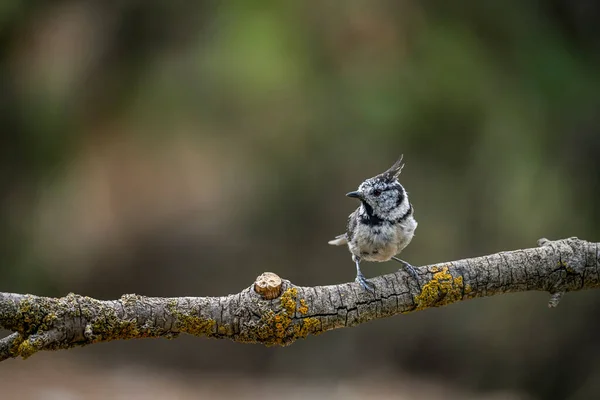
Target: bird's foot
{"type": "Point", "coordinates": [409, 268]}
{"type": "Point", "coordinates": [362, 281]}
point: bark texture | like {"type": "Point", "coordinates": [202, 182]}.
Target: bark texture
{"type": "Point", "coordinates": [42, 323]}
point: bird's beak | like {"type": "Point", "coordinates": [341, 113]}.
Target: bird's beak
{"type": "Point", "coordinates": [356, 195]}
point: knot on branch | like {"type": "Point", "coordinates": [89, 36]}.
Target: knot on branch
{"type": "Point", "coordinates": [282, 321]}
{"type": "Point", "coordinates": [569, 269]}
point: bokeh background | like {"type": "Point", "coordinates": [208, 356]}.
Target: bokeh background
{"type": "Point", "coordinates": [182, 148]}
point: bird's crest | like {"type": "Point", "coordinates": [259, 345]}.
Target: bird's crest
{"type": "Point", "coordinates": [393, 172]}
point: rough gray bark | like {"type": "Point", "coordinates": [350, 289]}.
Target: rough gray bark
{"type": "Point", "coordinates": [293, 312]}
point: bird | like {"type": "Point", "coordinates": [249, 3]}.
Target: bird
{"type": "Point", "coordinates": [382, 226]}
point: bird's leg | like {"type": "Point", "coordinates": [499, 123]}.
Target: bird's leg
{"type": "Point", "coordinates": [368, 286]}
{"type": "Point", "coordinates": [409, 267]}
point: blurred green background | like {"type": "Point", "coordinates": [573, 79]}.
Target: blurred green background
{"type": "Point", "coordinates": [182, 148]}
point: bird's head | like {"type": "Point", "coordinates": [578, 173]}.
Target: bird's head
{"type": "Point", "coordinates": [383, 196]}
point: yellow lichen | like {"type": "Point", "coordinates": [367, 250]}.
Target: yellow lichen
{"type": "Point", "coordinates": [308, 325]}
{"type": "Point", "coordinates": [191, 323]}
{"type": "Point", "coordinates": [14, 348]}
{"type": "Point", "coordinates": [197, 326]}
{"type": "Point", "coordinates": [303, 307]}
{"type": "Point", "coordinates": [28, 312]}
{"type": "Point", "coordinates": [109, 326]}
{"type": "Point", "coordinates": [26, 349]}
{"type": "Point", "coordinates": [47, 322]}
{"type": "Point", "coordinates": [441, 290]}
{"type": "Point", "coordinates": [288, 301]}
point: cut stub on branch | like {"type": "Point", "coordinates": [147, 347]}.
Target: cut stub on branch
{"type": "Point", "coordinates": [268, 285]}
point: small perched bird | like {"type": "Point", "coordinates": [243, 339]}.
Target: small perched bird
{"type": "Point", "coordinates": [382, 226]}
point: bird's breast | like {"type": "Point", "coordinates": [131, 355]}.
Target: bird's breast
{"type": "Point", "coordinates": [380, 242]}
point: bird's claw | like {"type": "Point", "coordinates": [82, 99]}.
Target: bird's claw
{"type": "Point", "coordinates": [409, 268]}
{"type": "Point", "coordinates": [368, 286]}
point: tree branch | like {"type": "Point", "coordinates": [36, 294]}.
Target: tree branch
{"type": "Point", "coordinates": [275, 312]}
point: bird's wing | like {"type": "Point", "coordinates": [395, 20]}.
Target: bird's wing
{"type": "Point", "coordinates": [351, 226]}
{"type": "Point", "coordinates": [342, 239]}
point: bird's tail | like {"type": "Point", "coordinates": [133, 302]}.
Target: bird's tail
{"type": "Point", "coordinates": [339, 240]}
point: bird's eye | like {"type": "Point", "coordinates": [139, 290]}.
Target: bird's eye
{"type": "Point", "coordinates": [376, 192]}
